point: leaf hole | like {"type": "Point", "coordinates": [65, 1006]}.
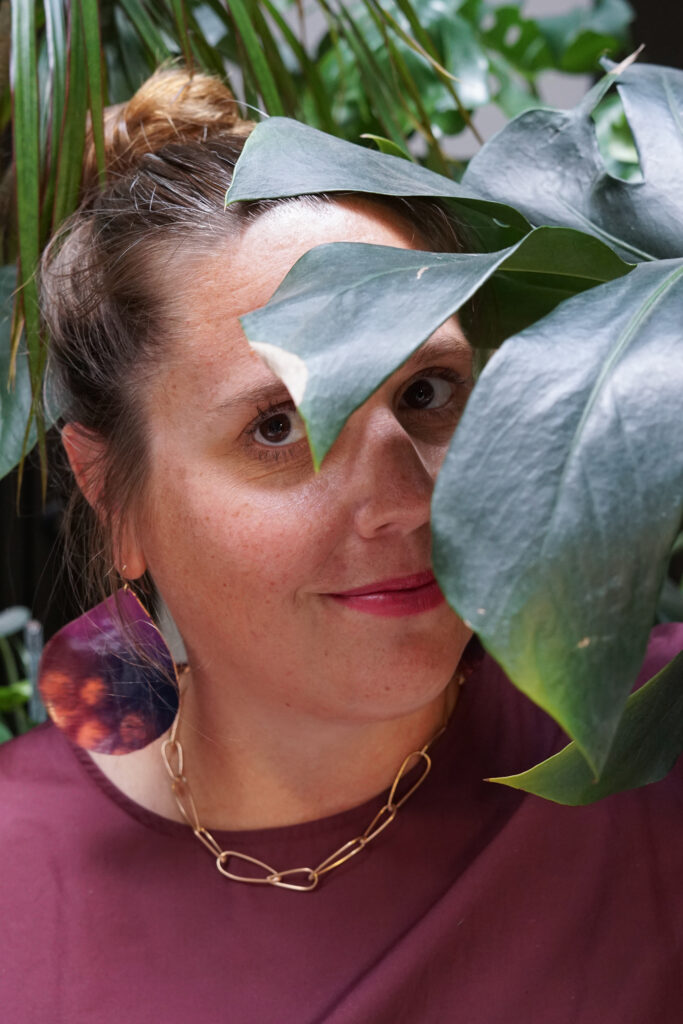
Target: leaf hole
{"type": "Point", "coordinates": [615, 139]}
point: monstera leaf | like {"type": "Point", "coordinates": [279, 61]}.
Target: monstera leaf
{"type": "Point", "coordinates": [405, 295]}
{"type": "Point", "coordinates": [560, 499]}
{"type": "Point", "coordinates": [547, 164]}
{"type": "Point", "coordinates": [646, 746]}
{"type": "Point", "coordinates": [285, 158]}
{"type": "Point", "coordinates": [561, 496]}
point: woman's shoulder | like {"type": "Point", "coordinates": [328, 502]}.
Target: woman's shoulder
{"type": "Point", "coordinates": [39, 778]}
{"type": "Point", "coordinates": [34, 756]}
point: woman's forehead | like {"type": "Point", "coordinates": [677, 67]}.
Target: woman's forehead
{"type": "Point", "coordinates": [240, 273]}
{"type": "Point", "coordinates": [207, 297]}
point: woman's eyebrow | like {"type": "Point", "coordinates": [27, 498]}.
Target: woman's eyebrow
{"type": "Point", "coordinates": [257, 394]}
{"type": "Point", "coordinates": [445, 343]}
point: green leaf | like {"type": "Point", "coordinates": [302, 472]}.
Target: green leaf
{"type": "Point", "coordinates": [15, 695]}
{"type": "Point", "coordinates": [213, 21]}
{"type": "Point", "coordinates": [407, 86]}
{"type": "Point", "coordinates": [93, 55]}
{"type": "Point", "coordinates": [558, 503]}
{"type": "Point", "coordinates": [285, 158]}
{"type": "Point", "coordinates": [27, 161]}
{"type": "Point", "coordinates": [547, 163]}
{"type": "Point", "coordinates": [387, 146]}
{"type": "Point", "coordinates": [466, 60]}
{"type": "Point", "coordinates": [615, 140]}
{"type": "Point", "coordinates": [580, 36]}
{"type": "Point", "coordinates": [457, 44]}
{"type": "Point", "coordinates": [646, 746]}
{"type": "Point", "coordinates": [285, 81]}
{"type": "Point", "coordinates": [314, 331]}
{"type": "Point", "coordinates": [5, 733]}
{"type": "Point", "coordinates": [386, 99]}
{"type": "Point", "coordinates": [55, 32]}
{"type": "Point", "coordinates": [258, 63]}
{"type": "Point", "coordinates": [309, 68]}
{"type": "Point", "coordinates": [514, 94]}
{"type": "Point", "coordinates": [519, 40]}
{"type": "Point", "coordinates": [208, 56]}
{"type": "Point", "coordinates": [180, 17]}
{"type": "Point", "coordinates": [70, 156]}
{"type": "Point", "coordinates": [15, 398]}
{"type": "Point", "coordinates": [8, 662]}
{"type": "Point", "coordinates": [147, 30]}
{"type": "Point", "coordinates": [556, 264]}
{"type": "Point", "coordinates": [129, 62]}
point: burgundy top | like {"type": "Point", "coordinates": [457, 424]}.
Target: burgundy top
{"type": "Point", "coordinates": [479, 905]}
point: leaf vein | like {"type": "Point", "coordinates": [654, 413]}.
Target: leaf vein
{"type": "Point", "coordinates": [605, 235]}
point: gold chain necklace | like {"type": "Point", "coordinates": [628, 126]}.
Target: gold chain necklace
{"type": "Point", "coordinates": [299, 879]}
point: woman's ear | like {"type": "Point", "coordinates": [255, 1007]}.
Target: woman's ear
{"type": "Point", "coordinates": [85, 452]}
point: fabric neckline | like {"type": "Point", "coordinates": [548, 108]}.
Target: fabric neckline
{"type": "Point", "coordinates": [332, 824]}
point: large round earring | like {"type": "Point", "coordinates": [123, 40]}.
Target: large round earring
{"type": "Point", "coordinates": [108, 679]}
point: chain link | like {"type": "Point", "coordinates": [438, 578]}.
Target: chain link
{"type": "Point", "coordinates": [297, 879]}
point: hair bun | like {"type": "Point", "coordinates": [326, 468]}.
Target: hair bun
{"type": "Point", "coordinates": [171, 106]}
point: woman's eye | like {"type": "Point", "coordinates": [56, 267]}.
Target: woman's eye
{"type": "Point", "coordinates": [280, 428]}
{"type": "Point", "coordinates": [428, 393]}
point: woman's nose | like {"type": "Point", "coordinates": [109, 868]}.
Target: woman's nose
{"type": "Point", "coordinates": [389, 485]}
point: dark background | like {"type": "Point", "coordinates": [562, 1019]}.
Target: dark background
{"type": "Point", "coordinates": [30, 559]}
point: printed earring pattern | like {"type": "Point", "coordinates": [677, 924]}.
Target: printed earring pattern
{"type": "Point", "coordinates": [108, 679]}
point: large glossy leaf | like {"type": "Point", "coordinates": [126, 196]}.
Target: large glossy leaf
{"type": "Point", "coordinates": [646, 746]}
{"type": "Point", "coordinates": [15, 399]}
{"type": "Point", "coordinates": [562, 494]}
{"type": "Point", "coordinates": [314, 331]}
{"type": "Point", "coordinates": [285, 158]}
{"type": "Point", "coordinates": [547, 163]}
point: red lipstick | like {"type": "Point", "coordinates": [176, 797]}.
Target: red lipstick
{"type": "Point", "coordinates": [402, 595]}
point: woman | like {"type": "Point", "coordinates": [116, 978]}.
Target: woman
{"type": "Point", "coordinates": [320, 662]}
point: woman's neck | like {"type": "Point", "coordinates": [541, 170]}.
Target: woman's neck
{"type": "Point", "coordinates": [251, 769]}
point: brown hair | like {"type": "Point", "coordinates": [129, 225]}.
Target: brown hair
{"type": "Point", "coordinates": [171, 151]}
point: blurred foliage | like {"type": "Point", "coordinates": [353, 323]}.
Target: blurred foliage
{"type": "Point", "coordinates": [407, 75]}
{"type": "Point", "coordinates": [15, 687]}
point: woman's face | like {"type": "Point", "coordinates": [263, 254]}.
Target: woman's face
{"type": "Point", "coordinates": [253, 551]}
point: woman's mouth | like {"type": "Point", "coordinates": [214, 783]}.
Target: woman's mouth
{"type": "Point", "coordinates": [403, 595]}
